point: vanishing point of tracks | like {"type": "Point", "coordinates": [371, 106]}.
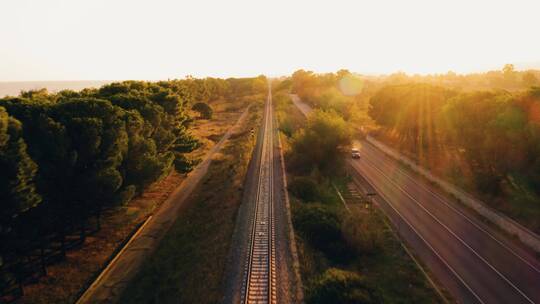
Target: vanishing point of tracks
{"type": "Point", "coordinates": [259, 284]}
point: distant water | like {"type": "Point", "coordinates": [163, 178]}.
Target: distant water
{"type": "Point", "coordinates": [14, 88]}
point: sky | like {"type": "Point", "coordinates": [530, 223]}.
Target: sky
{"type": "Point", "coordinates": [161, 39]}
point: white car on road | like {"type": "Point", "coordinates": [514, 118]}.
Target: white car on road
{"type": "Point", "coordinates": [355, 153]}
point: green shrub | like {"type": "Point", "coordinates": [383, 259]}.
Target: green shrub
{"type": "Point", "coordinates": [286, 126]}
{"type": "Point", "coordinates": [183, 164]}
{"type": "Point", "coordinates": [339, 286]}
{"type": "Point", "coordinates": [363, 234]}
{"type": "Point", "coordinates": [318, 224]}
{"type": "Point", "coordinates": [204, 110]}
{"type": "Point", "coordinates": [304, 188]}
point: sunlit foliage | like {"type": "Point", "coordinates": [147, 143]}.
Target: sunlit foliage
{"type": "Point", "coordinates": [412, 111]}
{"type": "Point", "coordinates": [17, 188]}
{"type": "Point", "coordinates": [490, 139]}
{"type": "Point", "coordinates": [317, 145]}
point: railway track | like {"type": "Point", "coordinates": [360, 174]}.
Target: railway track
{"type": "Point", "coordinates": [259, 284]}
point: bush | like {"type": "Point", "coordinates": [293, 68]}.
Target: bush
{"type": "Point", "coordinates": [286, 126]}
{"type": "Point", "coordinates": [304, 188]}
{"type": "Point", "coordinates": [183, 164]}
{"type": "Point", "coordinates": [363, 234]}
{"type": "Point", "coordinates": [318, 224]}
{"type": "Point", "coordinates": [204, 110]}
{"type": "Point", "coordinates": [339, 286]}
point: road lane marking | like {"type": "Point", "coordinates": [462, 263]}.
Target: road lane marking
{"type": "Point", "coordinates": [385, 199]}
{"type": "Point", "coordinates": [359, 184]}
{"type": "Point", "coordinates": [493, 268]}
{"type": "Point", "coordinates": [443, 199]}
{"type": "Point", "coordinates": [452, 232]}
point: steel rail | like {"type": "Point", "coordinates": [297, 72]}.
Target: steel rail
{"type": "Point", "coordinates": [259, 284]}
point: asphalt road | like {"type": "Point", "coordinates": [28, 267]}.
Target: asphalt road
{"type": "Point", "coordinates": [475, 263]}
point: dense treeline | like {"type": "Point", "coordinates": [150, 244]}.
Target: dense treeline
{"type": "Point", "coordinates": [488, 141]}
{"type": "Point", "coordinates": [327, 91]}
{"type": "Point", "coordinates": [349, 93]}
{"type": "Point", "coordinates": [66, 157]}
{"type": "Point", "coordinates": [508, 78]}
{"type": "Point", "coordinates": [411, 110]}
{"type": "Point", "coordinates": [343, 92]}
{"type": "Point", "coordinates": [480, 131]}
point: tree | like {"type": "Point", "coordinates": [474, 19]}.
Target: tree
{"type": "Point", "coordinates": [303, 83]}
{"type": "Point", "coordinates": [510, 75]}
{"type": "Point", "coordinates": [529, 79]}
{"type": "Point", "coordinates": [205, 111]}
{"type": "Point", "coordinates": [65, 157]}
{"type": "Point", "coordinates": [260, 84]}
{"type": "Point", "coordinates": [349, 84]}
{"type": "Point", "coordinates": [318, 224]}
{"type": "Point", "coordinates": [320, 142]}
{"type": "Point", "coordinates": [159, 138]}
{"type": "Point", "coordinates": [41, 95]}
{"type": "Point", "coordinates": [239, 87]}
{"type": "Point", "coordinates": [18, 193]}
{"type": "Point", "coordinates": [333, 99]}
{"type": "Point", "coordinates": [508, 70]}
{"type": "Point", "coordinates": [17, 182]}
{"type": "Point", "coordinates": [99, 143]}
{"type": "Point", "coordinates": [79, 145]}
{"type": "Point", "coordinates": [480, 123]}
{"type": "Point", "coordinates": [412, 112]}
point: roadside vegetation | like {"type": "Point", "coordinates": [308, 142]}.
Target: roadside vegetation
{"type": "Point", "coordinates": [71, 157]}
{"type": "Point", "coordinates": [487, 142]}
{"type": "Point", "coordinates": [344, 257]}
{"type": "Point", "coordinates": [189, 264]}
{"type": "Point", "coordinates": [478, 131]}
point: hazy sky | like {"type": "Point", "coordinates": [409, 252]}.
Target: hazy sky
{"type": "Point", "coordinates": [159, 39]}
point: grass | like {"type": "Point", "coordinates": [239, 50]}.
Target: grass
{"type": "Point", "coordinates": [189, 263]}
{"type": "Point", "coordinates": [387, 269]}
{"type": "Point", "coordinates": [209, 132]}
{"type": "Point", "coordinates": [390, 270]}
{"type": "Point", "coordinates": [66, 280]}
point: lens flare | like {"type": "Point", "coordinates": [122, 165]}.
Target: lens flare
{"type": "Point", "coordinates": [351, 85]}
